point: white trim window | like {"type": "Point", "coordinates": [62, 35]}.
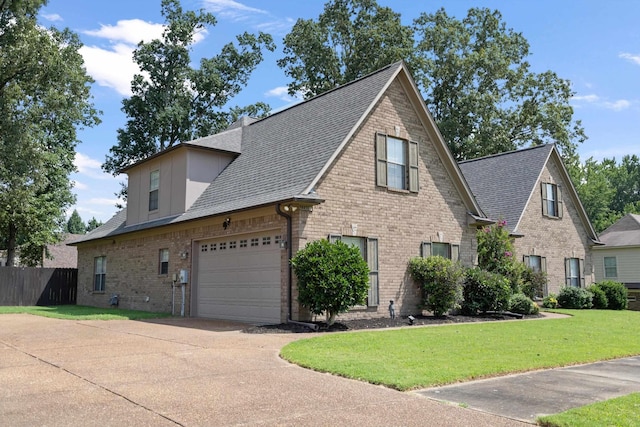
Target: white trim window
{"type": "Point", "coordinates": [368, 247]}
{"type": "Point", "coordinates": [445, 250]}
{"type": "Point", "coordinates": [154, 188]}
{"type": "Point", "coordinates": [610, 267]}
{"type": "Point", "coordinates": [551, 200]}
{"type": "Point", "coordinates": [573, 272]}
{"type": "Point", "coordinates": [99, 273]}
{"type": "Point", "coordinates": [163, 262]}
{"type": "Point", "coordinates": [535, 262]}
{"type": "Point", "coordinates": [396, 163]}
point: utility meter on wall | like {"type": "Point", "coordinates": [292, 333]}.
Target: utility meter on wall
{"type": "Point", "coordinates": [183, 276]}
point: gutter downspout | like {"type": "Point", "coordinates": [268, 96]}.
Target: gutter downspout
{"type": "Point", "coordinates": [311, 326]}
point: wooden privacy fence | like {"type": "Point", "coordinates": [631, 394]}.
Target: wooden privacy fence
{"type": "Point", "coordinates": [38, 286]}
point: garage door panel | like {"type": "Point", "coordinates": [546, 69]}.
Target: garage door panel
{"type": "Point", "coordinates": [241, 281]}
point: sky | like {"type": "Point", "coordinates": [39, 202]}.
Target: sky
{"type": "Point", "coordinates": [593, 44]}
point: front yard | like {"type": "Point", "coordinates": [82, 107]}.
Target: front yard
{"type": "Point", "coordinates": [420, 357]}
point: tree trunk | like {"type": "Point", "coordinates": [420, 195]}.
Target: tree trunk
{"type": "Point", "coordinates": [331, 317]}
{"type": "Point", "coordinates": [11, 245]}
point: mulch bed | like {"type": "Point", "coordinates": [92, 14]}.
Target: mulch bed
{"type": "Point", "coordinates": [379, 323]}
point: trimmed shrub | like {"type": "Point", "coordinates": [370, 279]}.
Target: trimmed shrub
{"type": "Point", "coordinates": [550, 301]}
{"type": "Point", "coordinates": [484, 291]}
{"type": "Point", "coordinates": [600, 300]}
{"type": "Point", "coordinates": [617, 294]}
{"type": "Point", "coordinates": [579, 298]}
{"type": "Point", "coordinates": [522, 304]}
{"type": "Point", "coordinates": [440, 280]}
{"type": "Point", "coordinates": [332, 277]}
{"type": "Point", "coordinates": [533, 283]}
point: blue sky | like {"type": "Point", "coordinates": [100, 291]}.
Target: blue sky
{"type": "Point", "coordinates": [594, 44]}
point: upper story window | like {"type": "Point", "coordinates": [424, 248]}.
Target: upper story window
{"type": "Point", "coordinates": [396, 163]}
{"type": "Point", "coordinates": [610, 267]}
{"type": "Point", "coordinates": [154, 185]}
{"type": "Point", "coordinates": [445, 250]}
{"type": "Point", "coordinates": [100, 273]}
{"type": "Point", "coordinates": [551, 200]}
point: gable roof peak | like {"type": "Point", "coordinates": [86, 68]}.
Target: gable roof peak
{"type": "Point", "coordinates": [548, 147]}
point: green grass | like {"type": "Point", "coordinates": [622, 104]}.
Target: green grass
{"type": "Point", "coordinates": [620, 412]}
{"type": "Point", "coordinates": [410, 358]}
{"type": "Point", "coordinates": [79, 312]}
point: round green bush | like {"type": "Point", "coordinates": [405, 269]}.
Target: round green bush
{"type": "Point", "coordinates": [522, 304]}
{"type": "Point", "coordinates": [484, 291]}
{"type": "Point", "coordinates": [332, 277]}
{"type": "Point", "coordinates": [617, 294]}
{"type": "Point", "coordinates": [600, 300]}
{"type": "Point", "coordinates": [550, 301]}
{"type": "Point", "coordinates": [577, 298]}
{"type": "Point", "coordinates": [440, 280]}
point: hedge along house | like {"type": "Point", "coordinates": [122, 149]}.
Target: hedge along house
{"type": "Point", "coordinates": [619, 258]}
{"type": "Point", "coordinates": [364, 163]}
{"type": "Point", "coordinates": [531, 190]}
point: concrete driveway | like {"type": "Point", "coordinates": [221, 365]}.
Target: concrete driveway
{"type": "Point", "coordinates": [189, 373]}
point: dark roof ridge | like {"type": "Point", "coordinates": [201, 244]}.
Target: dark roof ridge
{"type": "Point", "coordinates": [505, 153]}
{"type": "Point", "coordinates": [352, 82]}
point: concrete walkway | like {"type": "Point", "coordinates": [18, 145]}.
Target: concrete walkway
{"type": "Point", "coordinates": [527, 396]}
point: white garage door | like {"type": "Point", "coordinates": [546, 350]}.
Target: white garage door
{"type": "Point", "coordinates": [239, 278]}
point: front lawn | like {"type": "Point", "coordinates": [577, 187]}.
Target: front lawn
{"type": "Point", "coordinates": [79, 312]}
{"type": "Point", "coordinates": [620, 412]}
{"type": "Point", "coordinates": [419, 357]}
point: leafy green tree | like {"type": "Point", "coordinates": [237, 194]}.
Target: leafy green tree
{"type": "Point", "coordinates": [473, 73]}
{"type": "Point", "coordinates": [350, 39]}
{"type": "Point", "coordinates": [332, 277]}
{"type": "Point", "coordinates": [44, 98]}
{"type": "Point", "coordinates": [93, 224]}
{"type": "Point", "coordinates": [75, 224]}
{"type": "Point", "coordinates": [481, 91]}
{"type": "Point", "coordinates": [174, 102]}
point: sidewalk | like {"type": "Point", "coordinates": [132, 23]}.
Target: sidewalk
{"type": "Point", "coordinates": [526, 396]}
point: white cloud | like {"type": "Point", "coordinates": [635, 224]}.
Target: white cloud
{"type": "Point", "coordinates": [280, 92]}
{"type": "Point", "coordinates": [230, 9]}
{"type": "Point", "coordinates": [89, 167]}
{"type": "Point", "coordinates": [635, 58]}
{"type": "Point", "coordinates": [586, 98]}
{"type": "Point", "coordinates": [53, 17]}
{"type": "Point", "coordinates": [112, 68]}
{"type": "Point", "coordinates": [129, 31]}
{"type": "Point", "coordinates": [77, 185]}
{"type": "Point", "coordinates": [619, 105]}
{"type": "Point", "coordinates": [277, 26]}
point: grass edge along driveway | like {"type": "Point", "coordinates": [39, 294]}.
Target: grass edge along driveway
{"type": "Point", "coordinates": [420, 357]}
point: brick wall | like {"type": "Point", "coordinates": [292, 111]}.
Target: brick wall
{"type": "Point", "coordinates": [400, 220]}
{"type": "Point", "coordinates": [133, 261]}
{"type": "Point", "coordinates": [554, 238]}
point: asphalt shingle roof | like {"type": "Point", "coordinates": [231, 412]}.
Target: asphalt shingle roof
{"type": "Point", "coordinates": [281, 155]}
{"type": "Point", "coordinates": [502, 183]}
{"type": "Point", "coordinates": [625, 232]}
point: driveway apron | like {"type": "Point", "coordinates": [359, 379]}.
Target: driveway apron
{"type": "Point", "coordinates": [187, 372]}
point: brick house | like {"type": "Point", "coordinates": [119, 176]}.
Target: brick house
{"type": "Point", "coordinates": [364, 163]}
{"type": "Point", "coordinates": [619, 258]}
{"type": "Point", "coordinates": [531, 190]}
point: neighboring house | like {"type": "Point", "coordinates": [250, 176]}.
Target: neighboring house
{"type": "Point", "coordinates": [61, 255]}
{"type": "Point", "coordinates": [619, 258]}
{"type": "Point", "coordinates": [531, 190]}
{"type": "Point", "coordinates": [364, 163]}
